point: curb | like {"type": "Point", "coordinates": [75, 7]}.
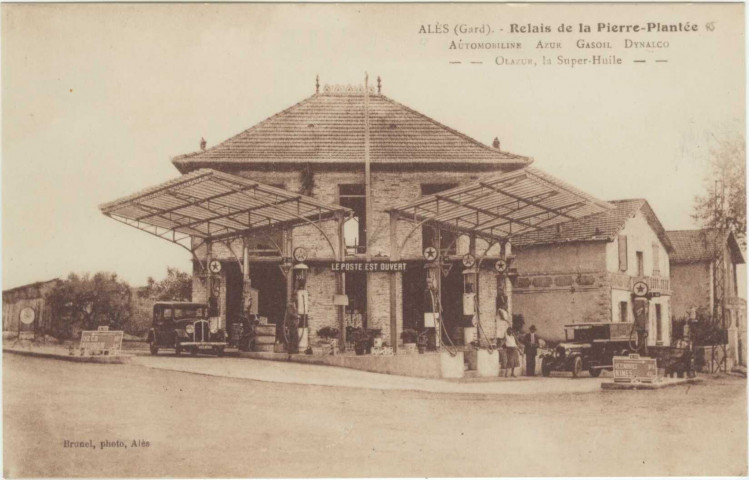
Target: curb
{"type": "Point", "coordinates": [69, 358]}
{"type": "Point", "coordinates": [649, 386]}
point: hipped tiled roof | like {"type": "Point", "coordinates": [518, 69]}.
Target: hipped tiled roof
{"type": "Point", "coordinates": [603, 226]}
{"type": "Point", "coordinates": [693, 246]}
{"type": "Point", "coordinates": [328, 127]}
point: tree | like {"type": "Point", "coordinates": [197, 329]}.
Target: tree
{"type": "Point", "coordinates": [90, 301]}
{"type": "Point", "coordinates": [726, 208]}
{"type": "Point", "coordinates": [176, 287]}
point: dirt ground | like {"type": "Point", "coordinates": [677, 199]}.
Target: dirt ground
{"type": "Point", "coordinates": [204, 426]}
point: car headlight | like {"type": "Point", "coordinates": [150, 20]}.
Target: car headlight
{"type": "Point", "coordinates": [190, 329]}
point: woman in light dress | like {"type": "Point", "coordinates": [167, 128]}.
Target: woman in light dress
{"type": "Point", "coordinates": [513, 356]}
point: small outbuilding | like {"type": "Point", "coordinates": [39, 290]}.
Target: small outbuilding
{"type": "Point", "coordinates": [26, 311]}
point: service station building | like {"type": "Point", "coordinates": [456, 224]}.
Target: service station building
{"type": "Point", "coordinates": [363, 212]}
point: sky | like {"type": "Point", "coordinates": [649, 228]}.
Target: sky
{"type": "Point", "coordinates": [96, 100]}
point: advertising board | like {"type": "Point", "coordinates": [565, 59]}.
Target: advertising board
{"type": "Point", "coordinates": [635, 369]}
{"type": "Point", "coordinates": [101, 342]}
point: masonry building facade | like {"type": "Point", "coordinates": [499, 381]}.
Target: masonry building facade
{"type": "Point", "coordinates": [693, 276]}
{"type": "Point", "coordinates": [583, 271]}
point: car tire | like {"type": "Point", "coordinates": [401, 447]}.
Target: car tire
{"type": "Point", "coordinates": [545, 367]}
{"type": "Point", "coordinates": [219, 351]}
{"type": "Point", "coordinates": [577, 367]}
{"type": "Point", "coordinates": [194, 351]}
{"type": "Point", "coordinates": [153, 347]}
{"type": "Point", "coordinates": [595, 372]}
{"type": "Point", "coordinates": [178, 349]}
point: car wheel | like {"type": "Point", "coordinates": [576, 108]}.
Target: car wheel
{"type": "Point", "coordinates": [219, 351]}
{"type": "Point", "coordinates": [178, 349]}
{"type": "Point", "coordinates": [194, 351]}
{"type": "Point", "coordinates": [153, 347]}
{"type": "Point", "coordinates": [545, 367]}
{"type": "Point", "coordinates": [594, 372]}
{"type": "Point", "coordinates": [577, 367]}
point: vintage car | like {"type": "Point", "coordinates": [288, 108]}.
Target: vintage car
{"type": "Point", "coordinates": [591, 347]}
{"type": "Point", "coordinates": [185, 326]}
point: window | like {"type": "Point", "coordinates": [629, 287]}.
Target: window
{"type": "Point", "coordinates": [735, 280]}
{"type": "Point", "coordinates": [658, 324]}
{"type": "Point", "coordinates": [622, 253]}
{"type": "Point", "coordinates": [640, 264]}
{"type": "Point", "coordinates": [656, 260]}
{"type": "Point", "coordinates": [448, 240]}
{"type": "Point", "coordinates": [355, 228]}
{"type": "Point", "coordinates": [622, 311]}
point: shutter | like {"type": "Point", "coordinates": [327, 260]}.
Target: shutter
{"type": "Point", "coordinates": [623, 253]}
{"type": "Point", "coordinates": [656, 260]}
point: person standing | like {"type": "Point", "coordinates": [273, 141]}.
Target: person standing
{"type": "Point", "coordinates": [531, 342]}
{"type": "Point", "coordinates": [502, 320]}
{"type": "Point", "coordinates": [513, 357]}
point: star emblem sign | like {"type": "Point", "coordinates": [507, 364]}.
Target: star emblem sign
{"type": "Point", "coordinates": [214, 266]}
{"type": "Point", "coordinates": [640, 288]}
{"type": "Point", "coordinates": [430, 253]}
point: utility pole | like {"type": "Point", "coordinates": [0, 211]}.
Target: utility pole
{"type": "Point", "coordinates": [368, 195]}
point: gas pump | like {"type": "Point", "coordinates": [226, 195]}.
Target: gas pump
{"type": "Point", "coordinates": [214, 309]}
{"type": "Point", "coordinates": [301, 302]}
{"type": "Point", "coordinates": [641, 308]}
{"type": "Point", "coordinates": [470, 305]}
{"type": "Point", "coordinates": [432, 308]}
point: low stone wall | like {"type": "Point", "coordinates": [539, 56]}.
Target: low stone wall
{"type": "Point", "coordinates": [427, 365]}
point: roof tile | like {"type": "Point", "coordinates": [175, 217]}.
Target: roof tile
{"type": "Point", "coordinates": [329, 127]}
{"type": "Point", "coordinates": [598, 227]}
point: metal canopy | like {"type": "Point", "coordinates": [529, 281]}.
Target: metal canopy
{"type": "Point", "coordinates": [213, 205]}
{"type": "Point", "coordinates": [502, 206]}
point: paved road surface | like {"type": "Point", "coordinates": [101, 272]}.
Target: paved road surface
{"type": "Point", "coordinates": [200, 425]}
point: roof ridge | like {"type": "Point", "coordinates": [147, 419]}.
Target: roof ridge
{"type": "Point", "coordinates": [456, 132]}
{"type": "Point", "coordinates": [247, 130]}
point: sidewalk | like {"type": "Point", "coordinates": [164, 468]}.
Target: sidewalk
{"type": "Point", "coordinates": [305, 374]}
{"type": "Point", "coordinates": [330, 376]}
{"type": "Point", "coordinates": [60, 353]}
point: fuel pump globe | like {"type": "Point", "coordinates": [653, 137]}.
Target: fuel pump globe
{"type": "Point", "coordinates": [300, 272]}
{"type": "Point", "coordinates": [300, 276]}
{"type": "Point", "coordinates": [469, 291]}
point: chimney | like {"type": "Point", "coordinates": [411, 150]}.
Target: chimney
{"type": "Point", "coordinates": [495, 143]}
{"type": "Point", "coordinates": [202, 143]}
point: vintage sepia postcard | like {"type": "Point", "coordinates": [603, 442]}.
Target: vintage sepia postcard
{"type": "Point", "coordinates": [373, 240]}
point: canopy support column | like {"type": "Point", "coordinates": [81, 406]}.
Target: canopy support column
{"type": "Point", "coordinates": [246, 282]}
{"type": "Point", "coordinates": [394, 257]}
{"type": "Point", "coordinates": [288, 247]}
{"type": "Point", "coordinates": [341, 280]}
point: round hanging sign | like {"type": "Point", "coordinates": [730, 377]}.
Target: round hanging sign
{"type": "Point", "coordinates": [469, 260]}
{"type": "Point", "coordinates": [300, 254]}
{"type": "Point", "coordinates": [430, 254]}
{"type": "Point", "coordinates": [27, 316]}
{"type": "Point", "coordinates": [640, 289]}
{"type": "Point", "coordinates": [214, 266]}
{"type": "Point", "coordinates": [500, 265]}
